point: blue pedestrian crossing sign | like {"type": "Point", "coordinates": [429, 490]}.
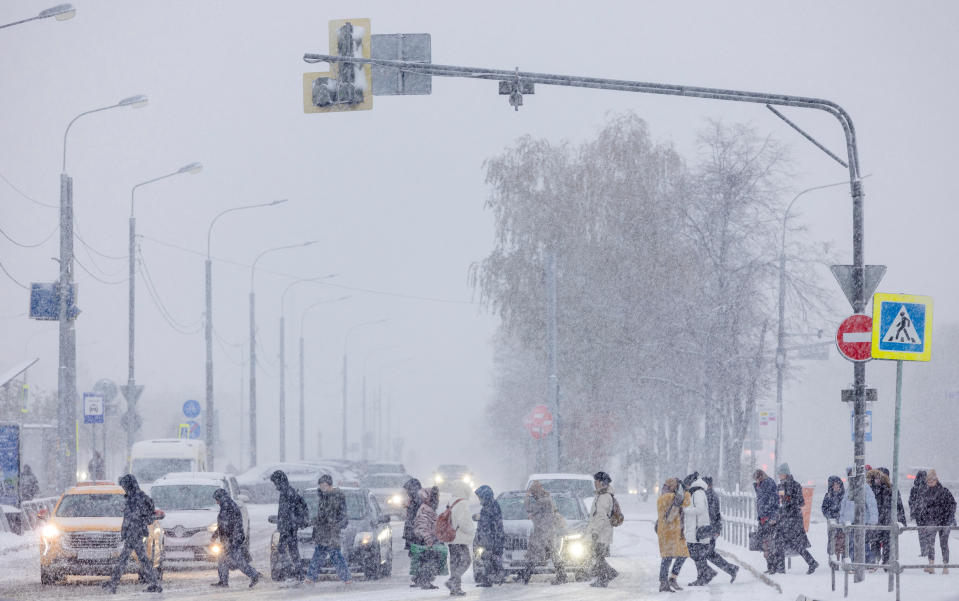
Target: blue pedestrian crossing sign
{"type": "Point", "coordinates": [901, 327]}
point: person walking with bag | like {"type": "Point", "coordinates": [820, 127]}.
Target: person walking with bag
{"type": "Point", "coordinates": [459, 548]}
{"type": "Point", "coordinates": [767, 513]}
{"type": "Point", "coordinates": [291, 515]}
{"type": "Point", "coordinates": [831, 507]}
{"type": "Point", "coordinates": [138, 513]}
{"type": "Point", "coordinates": [331, 519]}
{"type": "Point", "coordinates": [599, 529]}
{"type": "Point", "coordinates": [917, 510]}
{"type": "Point", "coordinates": [669, 530]}
{"type": "Point", "coordinates": [544, 540]}
{"type": "Point", "coordinates": [716, 529]}
{"type": "Point", "coordinates": [229, 532]}
{"type": "Point", "coordinates": [696, 528]}
{"type": "Point", "coordinates": [490, 539]}
{"type": "Point", "coordinates": [424, 534]}
{"type": "Point", "coordinates": [790, 531]}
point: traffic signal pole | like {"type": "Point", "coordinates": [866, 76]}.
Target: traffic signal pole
{"type": "Point", "coordinates": [517, 82]}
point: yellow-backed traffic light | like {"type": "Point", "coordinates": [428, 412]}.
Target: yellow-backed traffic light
{"type": "Point", "coordinates": [347, 86]}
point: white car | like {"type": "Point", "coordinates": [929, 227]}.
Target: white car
{"type": "Point", "coordinates": [187, 500]}
{"type": "Point", "coordinates": [579, 485]}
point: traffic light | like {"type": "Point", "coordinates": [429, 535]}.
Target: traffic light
{"type": "Point", "coordinates": [347, 86]}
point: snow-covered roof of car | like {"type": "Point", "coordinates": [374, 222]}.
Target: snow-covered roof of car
{"type": "Point", "coordinates": [187, 478]}
{"type": "Point", "coordinates": [214, 475]}
{"type": "Point", "coordinates": [560, 477]}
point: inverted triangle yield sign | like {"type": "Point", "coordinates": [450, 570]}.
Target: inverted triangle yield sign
{"type": "Point", "coordinates": [844, 275]}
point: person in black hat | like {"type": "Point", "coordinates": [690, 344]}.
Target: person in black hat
{"type": "Point", "coordinates": [291, 515]}
{"type": "Point", "coordinates": [599, 529]}
{"type": "Point", "coordinates": [229, 533]}
{"type": "Point", "coordinates": [138, 513]}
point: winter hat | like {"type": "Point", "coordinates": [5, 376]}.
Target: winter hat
{"type": "Point", "coordinates": [688, 480]}
{"type": "Point", "coordinates": [325, 478]}
{"type": "Point", "coordinates": [279, 479]}
{"type": "Point", "coordinates": [931, 475]}
{"type": "Point", "coordinates": [220, 495]}
{"type": "Point", "coordinates": [783, 469]}
{"type": "Point", "coordinates": [602, 477]}
{"type": "Point", "coordinates": [708, 480]}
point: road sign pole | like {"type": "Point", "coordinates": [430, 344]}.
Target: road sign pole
{"type": "Point", "coordinates": [894, 549]}
{"type": "Point", "coordinates": [859, 369]}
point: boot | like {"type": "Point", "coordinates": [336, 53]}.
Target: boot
{"type": "Point", "coordinates": [930, 570]}
{"type": "Point", "coordinates": [673, 584]}
{"type": "Point", "coordinates": [945, 571]}
{"type": "Point", "coordinates": [560, 577]}
{"type": "Point", "coordinates": [664, 586]}
{"type": "Point", "coordinates": [733, 571]}
{"type": "Point", "coordinates": [812, 567]}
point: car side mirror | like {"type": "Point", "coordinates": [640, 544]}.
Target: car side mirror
{"type": "Point", "coordinates": [159, 514]}
{"type": "Point", "coordinates": [243, 498]}
{"type": "Point", "coordinates": [271, 519]}
{"type": "Point", "coordinates": [475, 517]}
{"type": "Point", "coordinates": [383, 519]}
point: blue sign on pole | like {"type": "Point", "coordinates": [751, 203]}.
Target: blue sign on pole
{"type": "Point", "coordinates": [191, 408]}
{"type": "Point", "coordinates": [868, 428]}
{"type": "Point", "coordinates": [195, 430]}
{"type": "Point", "coordinates": [10, 464]}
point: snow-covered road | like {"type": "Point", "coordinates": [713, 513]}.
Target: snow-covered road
{"type": "Point", "coordinates": [635, 555]}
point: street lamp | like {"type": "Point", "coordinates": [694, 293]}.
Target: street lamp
{"type": "Point", "coordinates": [282, 440]}
{"type": "Point", "coordinates": [60, 12]}
{"type": "Point", "coordinates": [363, 411]}
{"type": "Point", "coordinates": [66, 313]}
{"type": "Point", "coordinates": [208, 326]}
{"type": "Point", "coordinates": [781, 335]}
{"type": "Point", "coordinates": [132, 392]}
{"type": "Point", "coordinates": [253, 342]}
{"type": "Point", "coordinates": [346, 341]}
{"type": "Point", "coordinates": [302, 401]}
{"type": "Point", "coordinates": [389, 411]}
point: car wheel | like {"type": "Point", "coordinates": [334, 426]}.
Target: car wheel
{"type": "Point", "coordinates": [371, 567]}
{"type": "Point", "coordinates": [277, 572]}
{"type": "Point", "coordinates": [49, 576]}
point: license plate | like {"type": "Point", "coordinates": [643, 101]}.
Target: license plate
{"type": "Point", "coordinates": [517, 555]}
{"type": "Point", "coordinates": [95, 553]}
{"type": "Point", "coordinates": [179, 555]}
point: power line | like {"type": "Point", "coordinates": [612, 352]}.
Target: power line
{"type": "Point", "coordinates": [97, 278]}
{"type": "Point", "coordinates": [23, 194]}
{"type": "Point", "coordinates": [151, 288]}
{"type": "Point", "coordinates": [15, 280]}
{"type": "Point", "coordinates": [23, 245]}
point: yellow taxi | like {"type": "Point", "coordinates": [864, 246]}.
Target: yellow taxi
{"type": "Point", "coordinates": [82, 536]}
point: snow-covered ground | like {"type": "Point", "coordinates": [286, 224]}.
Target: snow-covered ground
{"type": "Point", "coordinates": [635, 555]}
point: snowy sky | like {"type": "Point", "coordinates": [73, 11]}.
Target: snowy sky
{"type": "Point", "coordinates": [395, 195]}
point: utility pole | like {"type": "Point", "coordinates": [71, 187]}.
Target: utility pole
{"type": "Point", "coordinates": [553, 457]}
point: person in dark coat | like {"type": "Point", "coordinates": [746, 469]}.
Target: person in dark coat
{"type": "Point", "coordinates": [490, 537]}
{"type": "Point", "coordinates": [917, 510]}
{"type": "Point", "coordinates": [940, 509]}
{"type": "Point", "coordinates": [331, 519]}
{"type": "Point", "coordinates": [138, 513]}
{"type": "Point", "coordinates": [716, 528]}
{"type": "Point", "coordinates": [412, 488]}
{"type": "Point", "coordinates": [831, 504]}
{"type": "Point", "coordinates": [29, 487]}
{"type": "Point", "coordinates": [287, 520]}
{"type": "Point", "coordinates": [881, 486]}
{"type": "Point", "coordinates": [544, 540]}
{"type": "Point", "coordinates": [229, 533]}
{"type": "Point", "coordinates": [790, 532]}
{"type": "Point", "coordinates": [96, 467]}
{"type": "Point", "coordinates": [767, 513]}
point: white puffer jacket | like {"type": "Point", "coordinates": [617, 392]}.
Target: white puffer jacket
{"type": "Point", "coordinates": [462, 520]}
{"type": "Point", "coordinates": [697, 513]}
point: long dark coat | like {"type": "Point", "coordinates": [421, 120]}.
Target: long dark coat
{"type": "Point", "coordinates": [330, 518]}
{"type": "Point", "coordinates": [489, 529]}
{"type": "Point", "coordinates": [832, 502]}
{"type": "Point", "coordinates": [789, 530]}
{"type": "Point", "coordinates": [917, 499]}
{"type": "Point", "coordinates": [286, 508]}
{"type": "Point", "coordinates": [940, 506]}
{"type": "Point", "coordinates": [882, 488]}
{"type": "Point", "coordinates": [412, 488]}
{"type": "Point", "coordinates": [229, 521]}
{"type": "Point", "coordinates": [138, 511]}
{"type": "Point", "coordinates": [767, 500]}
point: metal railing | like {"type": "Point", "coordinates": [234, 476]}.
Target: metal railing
{"type": "Point", "coordinates": [894, 568]}
{"type": "Point", "coordinates": [738, 509]}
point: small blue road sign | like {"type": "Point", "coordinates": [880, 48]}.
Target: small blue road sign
{"type": "Point", "coordinates": [191, 408]}
{"type": "Point", "coordinates": [195, 430]}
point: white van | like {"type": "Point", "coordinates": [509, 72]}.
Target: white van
{"type": "Point", "coordinates": [153, 459]}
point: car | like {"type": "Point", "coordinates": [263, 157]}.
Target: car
{"type": "Point", "coordinates": [579, 485]}
{"type": "Point", "coordinates": [454, 479]}
{"type": "Point", "coordinates": [517, 526]}
{"type": "Point", "coordinates": [367, 542]}
{"type": "Point", "coordinates": [191, 512]}
{"type": "Point", "coordinates": [389, 492]}
{"type": "Point", "coordinates": [152, 459]}
{"type": "Point", "coordinates": [81, 536]}
{"type": "Point", "coordinates": [255, 483]}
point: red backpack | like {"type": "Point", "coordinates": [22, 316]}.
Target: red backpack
{"type": "Point", "coordinates": [445, 532]}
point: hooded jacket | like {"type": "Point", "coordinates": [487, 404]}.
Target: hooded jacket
{"type": "Point", "coordinates": [669, 525]}
{"type": "Point", "coordinates": [424, 525]}
{"type": "Point", "coordinates": [767, 500]}
{"type": "Point", "coordinates": [881, 486]}
{"type": "Point", "coordinates": [696, 515]}
{"type": "Point", "coordinates": [330, 519]}
{"type": "Point", "coordinates": [286, 522]}
{"type": "Point", "coordinates": [229, 521]}
{"type": "Point", "coordinates": [917, 499]}
{"type": "Point", "coordinates": [489, 529]}
{"type": "Point", "coordinates": [542, 512]}
{"type": "Point", "coordinates": [832, 501]}
{"type": "Point", "coordinates": [790, 528]}
{"type": "Point", "coordinates": [412, 488]}
{"type": "Point", "coordinates": [847, 508]}
{"type": "Point", "coordinates": [138, 511]}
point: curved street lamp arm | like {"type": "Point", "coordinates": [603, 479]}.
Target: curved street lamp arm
{"type": "Point", "coordinates": [315, 305]}
{"type": "Point", "coordinates": [209, 231]}
{"type": "Point", "coordinates": [274, 249]}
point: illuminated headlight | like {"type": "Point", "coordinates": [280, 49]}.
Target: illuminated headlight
{"type": "Point", "coordinates": [211, 527]}
{"type": "Point", "coordinates": [81, 476]}
{"type": "Point", "coordinates": [216, 549]}
{"type": "Point", "coordinates": [363, 538]}
{"type": "Point", "coordinates": [479, 552]}
{"type": "Point", "coordinates": [396, 499]}
{"type": "Point", "coordinates": [50, 531]}
{"type": "Point", "coordinates": [438, 479]}
{"type": "Point", "coordinates": [382, 536]}
{"type": "Point", "coordinates": [633, 491]}
{"type": "Point", "coordinates": [467, 480]}
{"type": "Point", "coordinates": [576, 549]}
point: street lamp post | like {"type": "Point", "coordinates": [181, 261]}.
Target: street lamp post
{"type": "Point", "coordinates": [302, 378]}
{"type": "Point", "coordinates": [346, 342]}
{"type": "Point", "coordinates": [253, 343]}
{"type": "Point", "coordinates": [208, 326]}
{"type": "Point", "coordinates": [282, 441]}
{"type": "Point", "coordinates": [66, 312]}
{"type": "Point", "coordinates": [781, 334]}
{"type": "Point", "coordinates": [132, 418]}
{"type": "Point", "coordinates": [60, 12]}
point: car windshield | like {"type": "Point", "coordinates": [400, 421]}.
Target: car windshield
{"type": "Point", "coordinates": [385, 468]}
{"type": "Point", "coordinates": [91, 506]}
{"type": "Point", "coordinates": [385, 481]}
{"type": "Point", "coordinates": [355, 504]}
{"type": "Point", "coordinates": [514, 508]}
{"type": "Point", "coordinates": [568, 507]}
{"type": "Point", "coordinates": [177, 497]}
{"type": "Point", "coordinates": [150, 469]}
{"type": "Point", "coordinates": [580, 488]}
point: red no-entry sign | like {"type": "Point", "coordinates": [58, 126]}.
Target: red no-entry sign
{"type": "Point", "coordinates": [539, 422]}
{"type": "Point", "coordinates": [854, 338]}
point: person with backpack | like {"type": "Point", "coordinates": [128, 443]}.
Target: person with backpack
{"type": "Point", "coordinates": [455, 527]}
{"type": "Point", "coordinates": [426, 565]}
{"type": "Point", "coordinates": [291, 515]}
{"type": "Point", "coordinates": [599, 528]}
{"type": "Point", "coordinates": [229, 532]}
{"type": "Point", "coordinates": [138, 513]}
{"type": "Point", "coordinates": [790, 531]}
{"type": "Point", "coordinates": [331, 518]}
{"type": "Point", "coordinates": [490, 539]}
{"type": "Point", "coordinates": [696, 528]}
{"type": "Point", "coordinates": [715, 529]}
{"type": "Point", "coordinates": [547, 532]}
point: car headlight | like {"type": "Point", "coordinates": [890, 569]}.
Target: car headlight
{"type": "Point", "coordinates": [382, 536]}
{"type": "Point", "coordinates": [467, 480]}
{"type": "Point", "coordinates": [479, 552]}
{"type": "Point", "coordinates": [633, 491]}
{"type": "Point", "coordinates": [396, 499]}
{"type": "Point", "coordinates": [211, 527]}
{"type": "Point", "coordinates": [363, 538]}
{"type": "Point", "coordinates": [216, 549]}
{"type": "Point", "coordinates": [438, 479]}
{"type": "Point", "coordinates": [50, 531]}
{"type": "Point", "coordinates": [576, 549]}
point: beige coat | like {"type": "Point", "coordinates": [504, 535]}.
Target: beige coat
{"type": "Point", "coordinates": [669, 526]}
{"type": "Point", "coordinates": [598, 526]}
